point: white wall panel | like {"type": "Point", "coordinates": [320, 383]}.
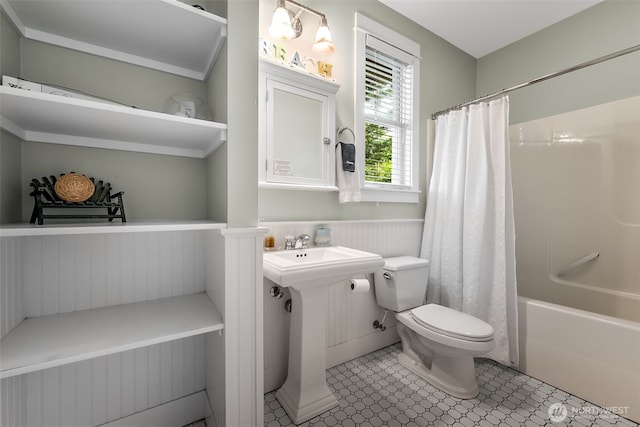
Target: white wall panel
{"type": "Point", "coordinates": [78, 272]}
{"type": "Point", "coordinates": [243, 399]}
{"type": "Point", "coordinates": [12, 395]}
{"type": "Point", "coordinates": [11, 292]}
{"type": "Point", "coordinates": [215, 343]}
{"type": "Point", "coordinates": [43, 275]}
{"type": "Point", "coordinates": [104, 389]}
{"type": "Point", "coordinates": [384, 237]}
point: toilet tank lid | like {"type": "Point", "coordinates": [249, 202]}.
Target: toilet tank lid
{"type": "Point", "coordinates": [404, 262]}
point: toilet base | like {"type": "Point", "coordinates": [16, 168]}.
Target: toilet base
{"type": "Point", "coordinates": [462, 386]}
{"type": "Point", "coordinates": [447, 368]}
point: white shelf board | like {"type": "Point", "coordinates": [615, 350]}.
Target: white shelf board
{"type": "Point", "coordinates": [42, 117]}
{"type": "Point", "coordinates": [55, 340]}
{"type": "Point", "coordinates": [165, 35]}
{"type": "Point", "coordinates": [22, 229]}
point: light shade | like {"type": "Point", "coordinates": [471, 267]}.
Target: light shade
{"type": "Point", "coordinates": [281, 28]}
{"type": "Point", "coordinates": [323, 44]}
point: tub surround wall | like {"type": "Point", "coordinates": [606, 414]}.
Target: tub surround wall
{"type": "Point", "coordinates": [350, 315]}
{"type": "Point", "coordinates": [575, 193]}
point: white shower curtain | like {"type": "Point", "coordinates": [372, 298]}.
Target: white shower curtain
{"type": "Point", "coordinates": [469, 235]}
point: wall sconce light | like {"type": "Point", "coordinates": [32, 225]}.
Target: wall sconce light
{"type": "Point", "coordinates": [286, 26]}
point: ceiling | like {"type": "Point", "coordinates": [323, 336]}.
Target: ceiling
{"type": "Point", "coordinates": [480, 27]}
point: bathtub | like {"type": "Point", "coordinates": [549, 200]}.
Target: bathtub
{"type": "Point", "coordinates": [590, 355]}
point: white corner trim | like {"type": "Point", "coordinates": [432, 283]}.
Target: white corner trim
{"type": "Point", "coordinates": [372, 27]}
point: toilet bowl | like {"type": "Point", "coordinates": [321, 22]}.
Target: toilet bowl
{"type": "Point", "coordinates": [438, 343]}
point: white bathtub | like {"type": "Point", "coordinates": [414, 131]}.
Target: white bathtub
{"type": "Point", "coordinates": [592, 356]}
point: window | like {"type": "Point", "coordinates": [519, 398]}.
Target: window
{"type": "Point", "coordinates": [387, 80]}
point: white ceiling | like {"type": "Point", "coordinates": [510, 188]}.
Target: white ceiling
{"type": "Point", "coordinates": [480, 27]}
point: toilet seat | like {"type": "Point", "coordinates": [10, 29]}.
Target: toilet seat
{"type": "Point", "coordinates": [446, 321]}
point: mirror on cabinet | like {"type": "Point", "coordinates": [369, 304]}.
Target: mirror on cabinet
{"type": "Point", "coordinates": [296, 133]}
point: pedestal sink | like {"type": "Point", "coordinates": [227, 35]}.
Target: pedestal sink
{"type": "Point", "coordinates": [308, 273]}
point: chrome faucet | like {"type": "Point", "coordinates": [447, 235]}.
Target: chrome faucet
{"type": "Point", "coordinates": [302, 241]}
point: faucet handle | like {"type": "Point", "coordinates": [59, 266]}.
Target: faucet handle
{"type": "Point", "coordinates": [289, 242]}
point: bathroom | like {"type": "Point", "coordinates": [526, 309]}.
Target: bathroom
{"type": "Point", "coordinates": [249, 358]}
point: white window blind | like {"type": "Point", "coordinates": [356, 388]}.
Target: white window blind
{"type": "Point", "coordinates": [388, 114]}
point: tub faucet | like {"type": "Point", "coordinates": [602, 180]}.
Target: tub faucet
{"type": "Point", "coordinates": [302, 241]}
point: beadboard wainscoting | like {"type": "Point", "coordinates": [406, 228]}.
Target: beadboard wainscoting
{"type": "Point", "coordinates": [124, 284]}
{"type": "Point", "coordinates": [243, 344]}
{"type": "Point", "coordinates": [350, 315]}
{"type": "Point", "coordinates": [62, 274]}
{"type": "Point", "coordinates": [96, 391]}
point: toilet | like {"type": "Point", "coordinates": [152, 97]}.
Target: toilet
{"type": "Point", "coordinates": [438, 343]}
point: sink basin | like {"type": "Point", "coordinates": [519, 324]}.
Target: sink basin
{"type": "Point", "coordinates": [317, 266]}
{"type": "Point", "coordinates": [308, 273]}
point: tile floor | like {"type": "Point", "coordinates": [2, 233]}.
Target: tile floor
{"type": "Point", "coordinates": [375, 390]}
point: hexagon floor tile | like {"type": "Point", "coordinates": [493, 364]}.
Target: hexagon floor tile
{"type": "Point", "coordinates": [375, 390]}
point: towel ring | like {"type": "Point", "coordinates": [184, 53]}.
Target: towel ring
{"type": "Point", "coordinates": [339, 133]}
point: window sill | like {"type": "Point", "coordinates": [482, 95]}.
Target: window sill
{"type": "Point", "coordinates": [371, 194]}
{"type": "Point", "coordinates": [288, 186]}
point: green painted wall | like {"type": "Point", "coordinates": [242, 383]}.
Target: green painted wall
{"type": "Point", "coordinates": [156, 186]}
{"type": "Point", "coordinates": [447, 77]}
{"type": "Point", "coordinates": [242, 113]}
{"type": "Point", "coordinates": [608, 27]}
{"type": "Point", "coordinates": [224, 187]}
{"type": "Point", "coordinates": [10, 151]}
{"type": "Point", "coordinates": [9, 48]}
{"type": "Point", "coordinates": [217, 94]}
{"type": "Point", "coordinates": [10, 179]}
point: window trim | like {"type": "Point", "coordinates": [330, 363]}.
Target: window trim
{"type": "Point", "coordinates": [373, 192]}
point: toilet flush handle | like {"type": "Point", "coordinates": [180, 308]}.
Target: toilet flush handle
{"type": "Point", "coordinates": [387, 275]}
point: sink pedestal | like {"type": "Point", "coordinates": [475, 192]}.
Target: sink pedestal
{"type": "Point", "coordinates": [308, 273]}
{"type": "Point", "coordinates": [305, 393]}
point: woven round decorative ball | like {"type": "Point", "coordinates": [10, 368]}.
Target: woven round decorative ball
{"type": "Point", "coordinates": [74, 187]}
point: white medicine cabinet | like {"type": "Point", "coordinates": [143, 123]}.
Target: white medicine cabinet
{"type": "Point", "coordinates": [297, 127]}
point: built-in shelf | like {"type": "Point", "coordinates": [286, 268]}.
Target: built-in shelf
{"type": "Point", "coordinates": [44, 342]}
{"type": "Point", "coordinates": [18, 230]}
{"type": "Point", "coordinates": [42, 117]}
{"type": "Point", "coordinates": [165, 35]}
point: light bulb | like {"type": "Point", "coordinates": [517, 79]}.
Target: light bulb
{"type": "Point", "coordinates": [280, 28]}
{"type": "Point", "coordinates": [323, 44]}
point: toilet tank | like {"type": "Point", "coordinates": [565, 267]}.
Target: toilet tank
{"type": "Point", "coordinates": [402, 283]}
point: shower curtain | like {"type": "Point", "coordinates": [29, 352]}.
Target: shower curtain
{"type": "Point", "coordinates": [469, 236]}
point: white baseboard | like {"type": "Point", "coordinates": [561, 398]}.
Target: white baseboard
{"type": "Point", "coordinates": [360, 346]}
{"type": "Point", "coordinates": [176, 413]}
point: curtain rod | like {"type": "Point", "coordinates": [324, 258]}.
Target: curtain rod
{"type": "Point", "coordinates": [539, 79]}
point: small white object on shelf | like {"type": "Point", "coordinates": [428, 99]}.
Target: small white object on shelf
{"type": "Point", "coordinates": [44, 342]}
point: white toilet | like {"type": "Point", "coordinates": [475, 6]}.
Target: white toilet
{"type": "Point", "coordinates": [438, 343]}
